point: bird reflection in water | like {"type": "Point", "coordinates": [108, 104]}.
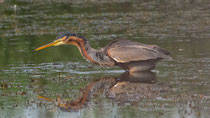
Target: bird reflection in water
{"type": "Point", "coordinates": [128, 87]}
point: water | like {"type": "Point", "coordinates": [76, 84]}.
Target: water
{"type": "Point", "coordinates": [178, 88]}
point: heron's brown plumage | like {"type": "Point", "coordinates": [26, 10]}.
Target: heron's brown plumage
{"type": "Point", "coordinates": [124, 51]}
{"type": "Point", "coordinates": [80, 44]}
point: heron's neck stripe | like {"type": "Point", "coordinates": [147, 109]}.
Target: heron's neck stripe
{"type": "Point", "coordinates": [84, 51]}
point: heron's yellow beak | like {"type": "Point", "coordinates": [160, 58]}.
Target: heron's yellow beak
{"type": "Point", "coordinates": [55, 43]}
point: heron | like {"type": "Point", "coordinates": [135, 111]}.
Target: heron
{"type": "Point", "coordinates": [129, 55]}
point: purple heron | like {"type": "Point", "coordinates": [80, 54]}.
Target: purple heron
{"type": "Point", "coordinates": [129, 55]}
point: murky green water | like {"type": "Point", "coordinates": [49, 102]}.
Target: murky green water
{"type": "Point", "coordinates": [179, 88]}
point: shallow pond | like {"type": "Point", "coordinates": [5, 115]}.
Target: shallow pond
{"type": "Point", "coordinates": [57, 82]}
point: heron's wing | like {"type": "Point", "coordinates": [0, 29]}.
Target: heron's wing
{"type": "Point", "coordinates": [123, 51]}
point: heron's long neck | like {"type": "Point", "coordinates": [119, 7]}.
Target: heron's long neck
{"type": "Point", "coordinates": [88, 52]}
{"type": "Point", "coordinates": [95, 56]}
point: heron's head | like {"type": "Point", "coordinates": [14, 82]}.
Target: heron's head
{"type": "Point", "coordinates": [65, 38]}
